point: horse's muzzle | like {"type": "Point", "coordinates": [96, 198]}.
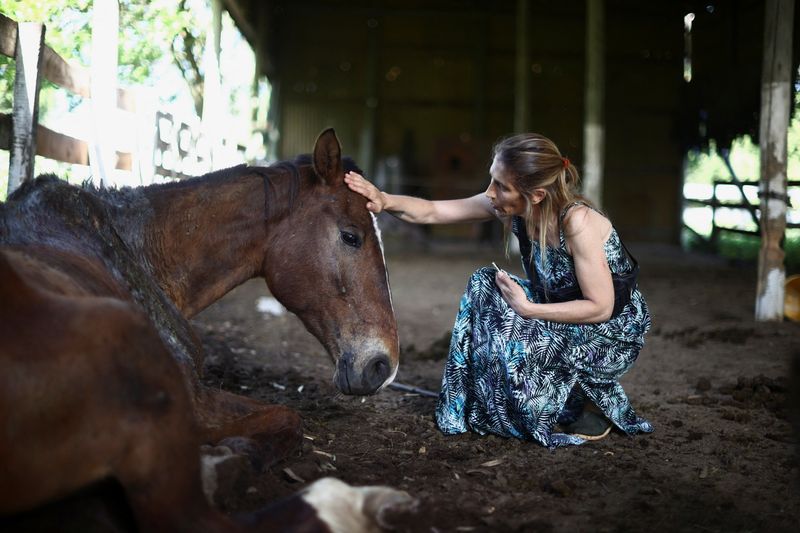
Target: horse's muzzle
{"type": "Point", "coordinates": [361, 380]}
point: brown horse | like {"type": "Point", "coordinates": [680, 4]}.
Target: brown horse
{"type": "Point", "coordinates": [89, 392]}
{"type": "Point", "coordinates": [172, 250]}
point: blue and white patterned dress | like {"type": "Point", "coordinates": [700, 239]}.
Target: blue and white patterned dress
{"type": "Point", "coordinates": [518, 377]}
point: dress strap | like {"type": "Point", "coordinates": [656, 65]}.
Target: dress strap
{"type": "Point", "coordinates": [567, 208]}
{"type": "Point", "coordinates": [561, 239]}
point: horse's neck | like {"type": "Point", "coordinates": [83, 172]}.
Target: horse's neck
{"type": "Point", "coordinates": [204, 238]}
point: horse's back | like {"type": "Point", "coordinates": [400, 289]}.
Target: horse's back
{"type": "Point", "coordinates": [63, 272]}
{"type": "Point", "coordinates": [86, 383]}
{"type": "Point", "coordinates": [75, 240]}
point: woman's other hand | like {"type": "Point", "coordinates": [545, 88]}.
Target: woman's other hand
{"type": "Point", "coordinates": [512, 293]}
{"type": "Point", "coordinates": [357, 183]}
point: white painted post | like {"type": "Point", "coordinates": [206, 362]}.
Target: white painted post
{"type": "Point", "coordinates": [213, 107]}
{"type": "Point", "coordinates": [146, 105]}
{"type": "Point", "coordinates": [594, 126]}
{"type": "Point", "coordinates": [775, 106]}
{"type": "Point", "coordinates": [28, 58]}
{"type": "Point", "coordinates": [105, 37]}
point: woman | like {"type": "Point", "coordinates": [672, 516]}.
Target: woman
{"type": "Point", "coordinates": [519, 365]}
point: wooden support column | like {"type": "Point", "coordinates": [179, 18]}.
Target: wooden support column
{"type": "Point", "coordinates": [776, 79]}
{"type": "Point", "coordinates": [594, 96]}
{"type": "Point", "coordinates": [275, 121]}
{"type": "Point", "coordinates": [523, 69]}
{"type": "Point", "coordinates": [481, 61]}
{"type": "Point", "coordinates": [370, 129]}
{"type": "Point", "coordinates": [29, 60]}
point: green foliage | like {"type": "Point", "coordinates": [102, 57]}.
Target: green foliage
{"type": "Point", "coordinates": [150, 32]}
{"type": "Point", "coordinates": [744, 157]}
{"type": "Point", "coordinates": [704, 167]}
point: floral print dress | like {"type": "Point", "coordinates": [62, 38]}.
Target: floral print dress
{"type": "Point", "coordinates": [518, 377]}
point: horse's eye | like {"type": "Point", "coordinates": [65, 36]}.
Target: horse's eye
{"type": "Point", "coordinates": [351, 239]}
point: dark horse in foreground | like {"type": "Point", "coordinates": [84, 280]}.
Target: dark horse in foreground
{"type": "Point", "coordinates": [144, 260]}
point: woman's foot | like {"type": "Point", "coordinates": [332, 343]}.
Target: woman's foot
{"type": "Point", "coordinates": [589, 426]}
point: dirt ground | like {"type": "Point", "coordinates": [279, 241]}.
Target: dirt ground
{"type": "Point", "coordinates": [714, 384]}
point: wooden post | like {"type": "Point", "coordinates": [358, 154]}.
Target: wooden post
{"type": "Point", "coordinates": [105, 39]}
{"type": "Point", "coordinates": [776, 93]}
{"type": "Point", "coordinates": [370, 130]}
{"type": "Point", "coordinates": [29, 59]}
{"type": "Point", "coordinates": [523, 69]}
{"type": "Point", "coordinates": [275, 121]}
{"type": "Point", "coordinates": [714, 237]}
{"type": "Point", "coordinates": [213, 106]}
{"type": "Point", "coordinates": [594, 126]}
{"type": "Point", "coordinates": [481, 62]}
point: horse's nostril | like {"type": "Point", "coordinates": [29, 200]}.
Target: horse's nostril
{"type": "Point", "coordinates": [377, 371]}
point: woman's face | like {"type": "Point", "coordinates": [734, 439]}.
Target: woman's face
{"type": "Point", "coordinates": [505, 198]}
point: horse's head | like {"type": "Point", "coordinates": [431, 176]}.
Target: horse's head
{"type": "Point", "coordinates": [324, 262]}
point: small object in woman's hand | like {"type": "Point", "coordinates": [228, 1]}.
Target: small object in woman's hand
{"type": "Point", "coordinates": [496, 267]}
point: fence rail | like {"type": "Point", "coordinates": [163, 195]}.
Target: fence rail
{"type": "Point", "coordinates": [24, 137]}
{"type": "Point", "coordinates": [38, 139]}
{"type": "Point", "coordinates": [744, 204]}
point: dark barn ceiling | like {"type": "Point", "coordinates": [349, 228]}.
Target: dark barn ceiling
{"type": "Point", "coordinates": [720, 103]}
{"type": "Point", "coordinates": [432, 83]}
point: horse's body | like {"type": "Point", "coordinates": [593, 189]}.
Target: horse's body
{"type": "Point", "coordinates": [76, 409]}
{"type": "Point", "coordinates": [169, 251]}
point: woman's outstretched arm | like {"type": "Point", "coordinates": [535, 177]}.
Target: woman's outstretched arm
{"type": "Point", "coordinates": [418, 210]}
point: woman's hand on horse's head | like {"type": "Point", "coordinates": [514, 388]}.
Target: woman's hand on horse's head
{"type": "Point", "coordinates": [357, 183]}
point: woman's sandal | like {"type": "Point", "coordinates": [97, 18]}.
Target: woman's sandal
{"type": "Point", "coordinates": [589, 426]}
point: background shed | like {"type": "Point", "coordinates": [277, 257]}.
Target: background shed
{"type": "Point", "coordinates": [419, 90]}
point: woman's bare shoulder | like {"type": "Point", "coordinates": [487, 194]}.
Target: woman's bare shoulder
{"type": "Point", "coordinates": [582, 218]}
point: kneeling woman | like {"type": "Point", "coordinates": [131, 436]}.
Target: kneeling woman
{"type": "Point", "coordinates": [521, 365]}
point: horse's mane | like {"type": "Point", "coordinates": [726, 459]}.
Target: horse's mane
{"type": "Point", "coordinates": [27, 187]}
{"type": "Point", "coordinates": [282, 178]}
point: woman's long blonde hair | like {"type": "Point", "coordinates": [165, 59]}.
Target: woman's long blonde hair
{"type": "Point", "coordinates": [535, 162]}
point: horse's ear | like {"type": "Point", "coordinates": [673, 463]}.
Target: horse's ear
{"type": "Point", "coordinates": [13, 290]}
{"type": "Point", "coordinates": [328, 157]}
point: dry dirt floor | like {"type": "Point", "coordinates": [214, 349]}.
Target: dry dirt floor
{"type": "Point", "coordinates": [714, 383]}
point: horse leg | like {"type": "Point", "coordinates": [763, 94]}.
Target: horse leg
{"type": "Point", "coordinates": [162, 481]}
{"type": "Point", "coordinates": [265, 433]}
{"type": "Point", "coordinates": [160, 464]}
{"type": "Point", "coordinates": [146, 412]}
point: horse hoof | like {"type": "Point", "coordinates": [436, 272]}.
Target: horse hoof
{"type": "Point", "coordinates": [247, 447]}
{"type": "Point", "coordinates": [223, 471]}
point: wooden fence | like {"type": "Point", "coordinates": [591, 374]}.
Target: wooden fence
{"type": "Point", "coordinates": [21, 134]}
{"type": "Point", "coordinates": [715, 203]}
{"type": "Point", "coordinates": [744, 204]}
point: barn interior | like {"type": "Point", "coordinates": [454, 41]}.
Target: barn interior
{"type": "Point", "coordinates": [418, 91]}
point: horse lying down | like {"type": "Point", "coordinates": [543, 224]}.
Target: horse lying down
{"type": "Point", "coordinates": [89, 392]}
{"type": "Point", "coordinates": [173, 249]}
{"type": "Point", "coordinates": [131, 267]}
